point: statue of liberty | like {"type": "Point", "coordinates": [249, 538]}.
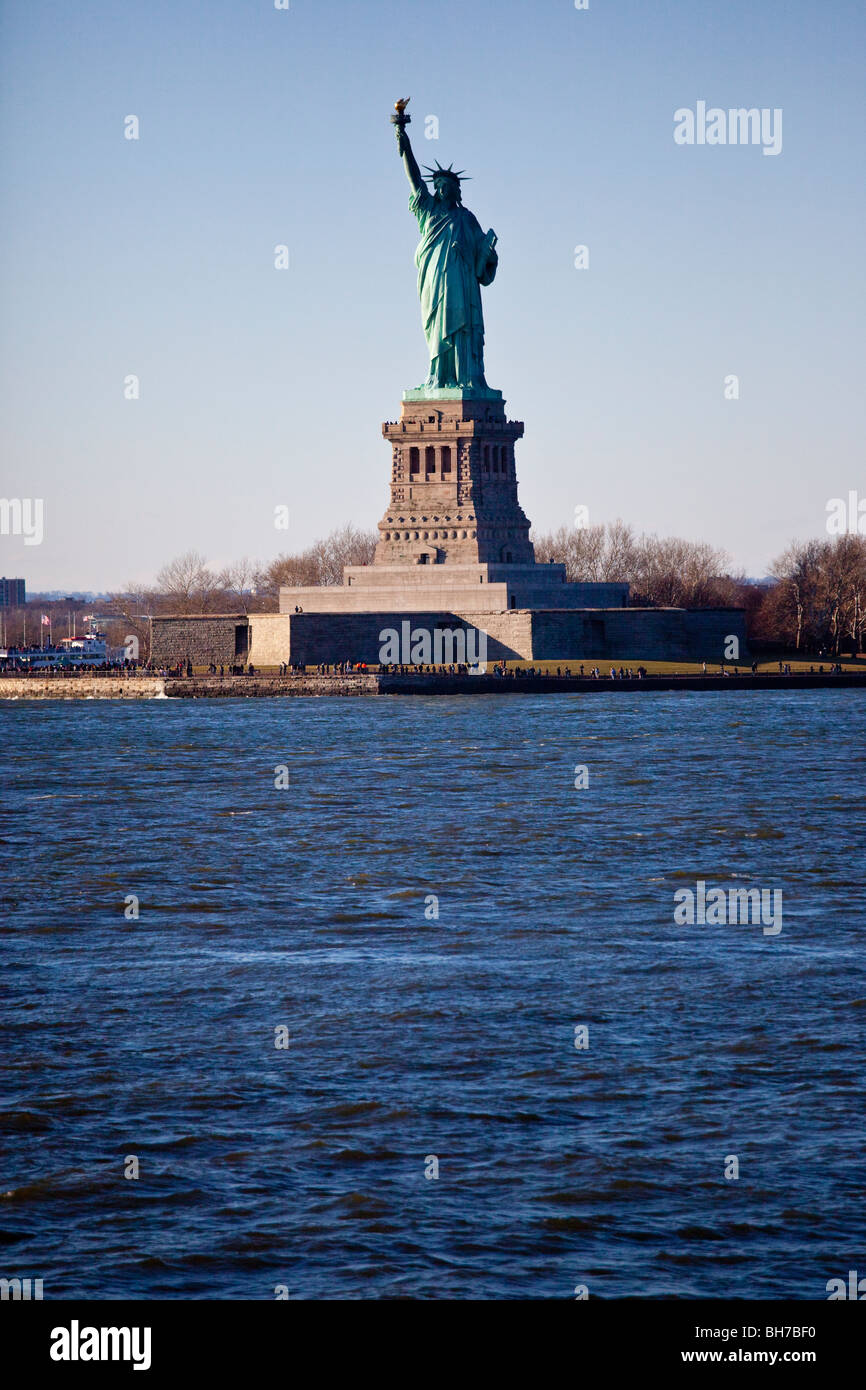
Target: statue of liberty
{"type": "Point", "coordinates": [454, 258]}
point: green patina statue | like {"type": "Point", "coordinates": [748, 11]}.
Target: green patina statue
{"type": "Point", "coordinates": [454, 259]}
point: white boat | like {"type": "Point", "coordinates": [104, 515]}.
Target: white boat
{"type": "Point", "coordinates": [90, 650]}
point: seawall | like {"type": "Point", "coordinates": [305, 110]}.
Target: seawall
{"type": "Point", "coordinates": [81, 687]}
{"type": "Point", "coordinates": [268, 687]}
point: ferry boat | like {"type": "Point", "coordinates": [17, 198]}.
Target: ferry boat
{"type": "Point", "coordinates": [90, 650]}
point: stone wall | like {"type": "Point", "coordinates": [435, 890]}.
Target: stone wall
{"type": "Point", "coordinates": [628, 634]}
{"type": "Point", "coordinates": [534, 592]}
{"type": "Point", "coordinates": [637, 634]}
{"type": "Point", "coordinates": [429, 598]}
{"type": "Point", "coordinates": [83, 687]}
{"type": "Point", "coordinates": [450, 588]}
{"type": "Point", "coordinates": [199, 639]}
{"type": "Point", "coordinates": [708, 630]}
{"type": "Point", "coordinates": [270, 686]}
{"type": "Point", "coordinates": [337, 637]}
{"type": "Point", "coordinates": [509, 635]}
{"type": "Point", "coordinates": [269, 639]}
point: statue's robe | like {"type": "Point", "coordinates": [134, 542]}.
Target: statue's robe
{"type": "Point", "coordinates": [454, 258]}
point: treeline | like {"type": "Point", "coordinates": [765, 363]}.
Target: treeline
{"type": "Point", "coordinates": [188, 584]}
{"type": "Point", "coordinates": [323, 561]}
{"type": "Point", "coordinates": [663, 573]}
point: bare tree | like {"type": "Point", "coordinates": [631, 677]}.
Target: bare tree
{"type": "Point", "coordinates": [855, 619]}
{"type": "Point", "coordinates": [669, 572]}
{"type": "Point", "coordinates": [821, 594]}
{"type": "Point", "coordinates": [797, 570]}
{"type": "Point", "coordinates": [134, 606]}
{"type": "Point", "coordinates": [346, 546]}
{"type": "Point", "coordinates": [187, 585]}
{"type": "Point", "coordinates": [323, 561]}
{"type": "Point", "coordinates": [842, 589]}
{"type": "Point", "coordinates": [580, 549]}
{"type": "Point", "coordinates": [621, 553]}
{"type": "Point", "coordinates": [675, 573]}
{"type": "Point", "coordinates": [240, 583]}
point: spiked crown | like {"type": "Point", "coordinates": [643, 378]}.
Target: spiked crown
{"type": "Point", "coordinates": [456, 175]}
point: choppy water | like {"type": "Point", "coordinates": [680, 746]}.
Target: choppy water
{"type": "Point", "coordinates": [411, 1036]}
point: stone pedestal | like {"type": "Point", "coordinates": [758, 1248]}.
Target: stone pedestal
{"type": "Point", "coordinates": [454, 538]}
{"type": "Point", "coordinates": [453, 483]}
{"type": "Point", "coordinates": [474, 588]}
{"type": "Point", "coordinates": [454, 554]}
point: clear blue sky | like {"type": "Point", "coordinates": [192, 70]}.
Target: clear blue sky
{"type": "Point", "coordinates": [261, 387]}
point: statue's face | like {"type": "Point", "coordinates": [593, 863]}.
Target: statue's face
{"type": "Point", "coordinates": [446, 192]}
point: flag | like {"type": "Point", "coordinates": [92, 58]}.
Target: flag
{"type": "Point", "coordinates": [46, 621]}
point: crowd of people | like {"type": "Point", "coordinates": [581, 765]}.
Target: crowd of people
{"type": "Point", "coordinates": [12, 665]}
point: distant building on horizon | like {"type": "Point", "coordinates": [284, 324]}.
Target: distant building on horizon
{"type": "Point", "coordinates": [12, 593]}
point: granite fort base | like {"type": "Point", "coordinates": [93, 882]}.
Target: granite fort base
{"type": "Point", "coordinates": [594, 634]}
{"type": "Point", "coordinates": [453, 553]}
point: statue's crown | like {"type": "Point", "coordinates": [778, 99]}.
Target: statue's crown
{"type": "Point", "coordinates": [451, 173]}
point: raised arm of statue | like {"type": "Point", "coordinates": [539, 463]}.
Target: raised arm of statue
{"type": "Point", "coordinates": [410, 163]}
